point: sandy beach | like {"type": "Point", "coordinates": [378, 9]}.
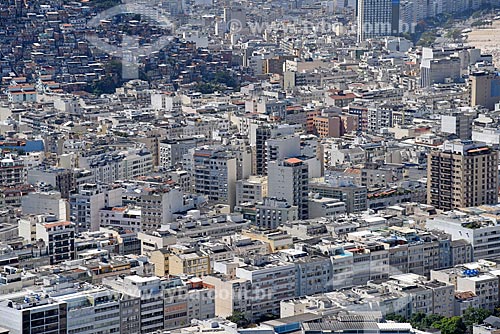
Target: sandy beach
{"type": "Point", "coordinates": [488, 40]}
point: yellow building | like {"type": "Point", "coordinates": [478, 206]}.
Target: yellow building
{"type": "Point", "coordinates": [178, 261]}
{"type": "Point", "coordinates": [275, 240]}
{"type": "Point", "coordinates": [190, 264]}
{"type": "Point", "coordinates": [160, 260]}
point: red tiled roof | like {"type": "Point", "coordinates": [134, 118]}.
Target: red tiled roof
{"type": "Point", "coordinates": [61, 223]}
{"type": "Point", "coordinates": [293, 160]}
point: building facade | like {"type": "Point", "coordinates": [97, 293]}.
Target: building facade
{"type": "Point", "coordinates": [462, 174]}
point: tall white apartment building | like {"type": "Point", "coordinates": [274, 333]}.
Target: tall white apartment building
{"type": "Point", "coordinates": [172, 151]}
{"type": "Point", "coordinates": [270, 283]}
{"type": "Point", "coordinates": [45, 203]}
{"type": "Point", "coordinates": [251, 190]}
{"type": "Point", "coordinates": [288, 180]}
{"type": "Point", "coordinates": [214, 175]}
{"type": "Point", "coordinates": [88, 200]}
{"type": "Point", "coordinates": [58, 236]}
{"type": "Point", "coordinates": [485, 286]}
{"type": "Point", "coordinates": [375, 18]}
{"type": "Point", "coordinates": [282, 148]}
{"type": "Point", "coordinates": [92, 311]}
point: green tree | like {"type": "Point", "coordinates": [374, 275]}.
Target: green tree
{"type": "Point", "coordinates": [226, 79]}
{"type": "Point", "coordinates": [105, 85]}
{"type": "Point", "coordinates": [427, 39]}
{"type": "Point", "coordinates": [221, 78]}
{"type": "Point", "coordinates": [417, 319]}
{"type": "Point", "coordinates": [453, 325]}
{"type": "Point", "coordinates": [206, 88]}
{"type": "Point", "coordinates": [239, 319]}
{"type": "Point", "coordinates": [473, 316]}
{"type": "Point", "coordinates": [454, 34]}
{"type": "Point", "coordinates": [424, 321]}
{"type": "Point", "coordinates": [430, 319]}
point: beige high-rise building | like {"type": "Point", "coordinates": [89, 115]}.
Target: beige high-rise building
{"type": "Point", "coordinates": [462, 174]}
{"type": "Point", "coordinates": [484, 89]}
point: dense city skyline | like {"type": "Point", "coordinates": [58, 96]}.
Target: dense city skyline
{"type": "Point", "coordinates": [249, 167]}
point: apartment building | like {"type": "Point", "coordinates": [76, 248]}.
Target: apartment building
{"type": "Point", "coordinates": [288, 180]}
{"type": "Point", "coordinates": [425, 296]}
{"type": "Point", "coordinates": [476, 284]}
{"type": "Point", "coordinates": [377, 18]}
{"type": "Point", "coordinates": [342, 264]}
{"type": "Point", "coordinates": [354, 197]}
{"type": "Point", "coordinates": [483, 285]}
{"type": "Point", "coordinates": [86, 202]}
{"type": "Point", "coordinates": [334, 126]}
{"type": "Point", "coordinates": [181, 179]}
{"type": "Point", "coordinates": [154, 240]}
{"type": "Point", "coordinates": [59, 238]}
{"type": "Point", "coordinates": [216, 251]}
{"type": "Point", "coordinates": [130, 313]}
{"type": "Point", "coordinates": [461, 252]}
{"type": "Point", "coordinates": [201, 300]}
{"type": "Point", "coordinates": [158, 205]}
{"type": "Point", "coordinates": [121, 217]}
{"type": "Point", "coordinates": [33, 313]}
{"type": "Point", "coordinates": [188, 261]}
{"type": "Point", "coordinates": [379, 117]}
{"type": "Point", "coordinates": [281, 148]}
{"type": "Point", "coordinates": [275, 240]}
{"type": "Point", "coordinates": [92, 311]}
{"type": "Point", "coordinates": [400, 294]}
{"type": "Point", "coordinates": [484, 89]}
{"type": "Point", "coordinates": [439, 70]}
{"type": "Point", "coordinates": [262, 134]}
{"type": "Point", "coordinates": [63, 180]}
{"type": "Point", "coordinates": [166, 102]}
{"type": "Point", "coordinates": [218, 226]}
{"type": "Point", "coordinates": [172, 151]}
{"type": "Point", "coordinates": [232, 295]}
{"type": "Point", "coordinates": [462, 174]}
{"type": "Point", "coordinates": [370, 262]}
{"type": "Point", "coordinates": [273, 212]}
{"type": "Point", "coordinates": [251, 190]}
{"type": "Point", "coordinates": [12, 171]}
{"type": "Point", "coordinates": [109, 167]}
{"type": "Point", "coordinates": [214, 175]}
{"type": "Point", "coordinates": [480, 232]}
{"type": "Point", "coordinates": [325, 207]}
{"type": "Point", "coordinates": [162, 302]}
{"type": "Point", "coordinates": [313, 273]}
{"type": "Point", "coordinates": [176, 304]}
{"type": "Point", "coordinates": [45, 203]}
{"type": "Point", "coordinates": [270, 282]}
{"type": "Point", "coordinates": [459, 123]}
